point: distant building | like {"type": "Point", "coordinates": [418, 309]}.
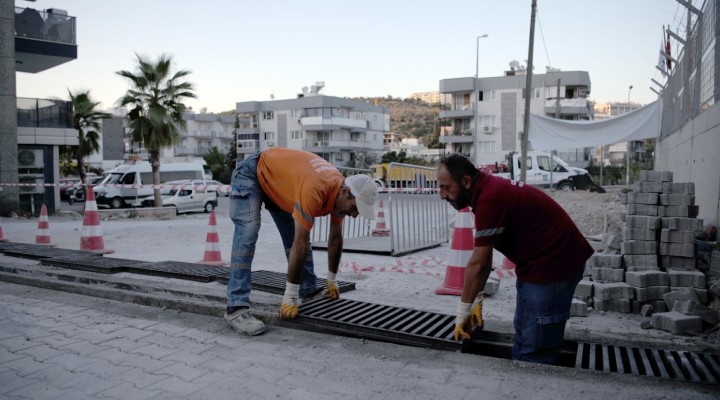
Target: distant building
{"type": "Point", "coordinates": [486, 114]}
{"type": "Point", "coordinates": [428, 97]}
{"type": "Point", "coordinates": [413, 148]}
{"type": "Point", "coordinates": [338, 129]}
{"type": "Point", "coordinates": [616, 154]}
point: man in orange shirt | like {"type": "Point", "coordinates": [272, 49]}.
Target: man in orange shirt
{"type": "Point", "coordinates": [296, 187]}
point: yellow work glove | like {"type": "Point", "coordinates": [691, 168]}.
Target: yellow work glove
{"type": "Point", "coordinates": [332, 288]}
{"type": "Point", "coordinates": [476, 311]}
{"type": "Point", "coordinates": [467, 316]}
{"type": "Point", "coordinates": [463, 324]}
{"type": "Point", "coordinates": [290, 306]}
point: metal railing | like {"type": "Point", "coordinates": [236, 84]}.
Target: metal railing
{"type": "Point", "coordinates": [692, 85]}
{"type": "Point", "coordinates": [414, 213]}
{"type": "Point", "coordinates": [52, 25]}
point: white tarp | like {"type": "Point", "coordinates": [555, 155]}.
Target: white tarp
{"type": "Point", "coordinates": [553, 134]}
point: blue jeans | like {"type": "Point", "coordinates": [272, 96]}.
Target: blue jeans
{"type": "Point", "coordinates": [541, 312]}
{"type": "Point", "coordinates": [245, 202]}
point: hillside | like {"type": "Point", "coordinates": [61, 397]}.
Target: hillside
{"type": "Point", "coordinates": [409, 117]}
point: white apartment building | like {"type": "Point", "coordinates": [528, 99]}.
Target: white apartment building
{"type": "Point", "coordinates": [202, 133]}
{"type": "Point", "coordinates": [486, 114]}
{"type": "Point", "coordinates": [339, 130]}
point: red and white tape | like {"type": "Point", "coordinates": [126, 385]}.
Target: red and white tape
{"type": "Point", "coordinates": [409, 265]}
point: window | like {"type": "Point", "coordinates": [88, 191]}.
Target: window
{"type": "Point", "coordinates": [296, 135]}
{"type": "Point", "coordinates": [537, 93]}
{"type": "Point", "coordinates": [267, 115]}
{"type": "Point", "coordinates": [338, 156]}
{"type": "Point", "coordinates": [480, 95]}
{"type": "Point", "coordinates": [543, 163]}
{"type": "Point", "coordinates": [294, 113]}
{"type": "Point", "coordinates": [486, 147]}
{"type": "Point", "coordinates": [492, 95]}
{"type": "Point", "coordinates": [268, 135]}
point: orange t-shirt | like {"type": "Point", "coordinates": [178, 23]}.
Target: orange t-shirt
{"type": "Point", "coordinates": [301, 183]}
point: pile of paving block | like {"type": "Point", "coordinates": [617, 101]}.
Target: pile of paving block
{"type": "Point", "coordinates": [652, 269]}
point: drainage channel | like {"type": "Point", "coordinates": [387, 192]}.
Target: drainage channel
{"type": "Point", "coordinates": [433, 330]}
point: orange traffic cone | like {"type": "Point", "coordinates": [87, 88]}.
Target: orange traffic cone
{"type": "Point", "coordinates": [380, 229]}
{"type": "Point", "coordinates": [43, 233]}
{"type": "Point", "coordinates": [461, 249]}
{"type": "Point", "coordinates": [2, 238]}
{"type": "Point", "coordinates": [92, 239]}
{"type": "Point", "coordinates": [212, 245]}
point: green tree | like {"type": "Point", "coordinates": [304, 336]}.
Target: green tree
{"type": "Point", "coordinates": [155, 101]}
{"type": "Point", "coordinates": [86, 120]}
{"type": "Point", "coordinates": [217, 161]}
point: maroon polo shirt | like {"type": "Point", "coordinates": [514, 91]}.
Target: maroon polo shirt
{"type": "Point", "coordinates": [529, 228]}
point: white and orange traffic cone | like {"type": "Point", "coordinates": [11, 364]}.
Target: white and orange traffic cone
{"type": "Point", "coordinates": [461, 249]}
{"type": "Point", "coordinates": [92, 239]}
{"type": "Point", "coordinates": [212, 254]}
{"type": "Point", "coordinates": [380, 228]}
{"type": "Point", "coordinates": [2, 238]}
{"type": "Point", "coordinates": [43, 232]}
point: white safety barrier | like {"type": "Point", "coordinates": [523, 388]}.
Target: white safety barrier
{"type": "Point", "coordinates": [414, 213]}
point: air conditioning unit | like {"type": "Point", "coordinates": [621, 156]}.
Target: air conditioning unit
{"type": "Point", "coordinates": [30, 158]}
{"type": "Point", "coordinates": [487, 129]}
{"type": "Point", "coordinates": [37, 180]}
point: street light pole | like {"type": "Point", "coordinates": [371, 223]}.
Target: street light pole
{"type": "Point", "coordinates": [629, 90]}
{"type": "Point", "coordinates": [475, 95]}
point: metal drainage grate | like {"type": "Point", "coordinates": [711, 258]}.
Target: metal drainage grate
{"type": "Point", "coordinates": [179, 270]}
{"type": "Point", "coordinates": [389, 323]}
{"type": "Point", "coordinates": [104, 265]}
{"type": "Point", "coordinates": [39, 252]}
{"type": "Point", "coordinates": [681, 365]}
{"type": "Point", "coordinates": [274, 282]}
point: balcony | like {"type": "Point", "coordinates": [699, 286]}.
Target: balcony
{"type": "Point", "coordinates": [459, 111]}
{"type": "Point", "coordinates": [328, 145]}
{"type": "Point", "coordinates": [569, 106]}
{"type": "Point", "coordinates": [42, 121]}
{"type": "Point", "coordinates": [43, 39]}
{"type": "Point", "coordinates": [464, 136]}
{"type": "Point", "coordinates": [320, 123]}
{"type": "Point", "coordinates": [190, 151]}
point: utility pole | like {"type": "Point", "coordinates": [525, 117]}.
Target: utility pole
{"type": "Point", "coordinates": [557, 116]}
{"type": "Point", "coordinates": [528, 95]}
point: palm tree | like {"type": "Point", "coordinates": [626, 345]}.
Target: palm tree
{"type": "Point", "coordinates": [156, 106]}
{"type": "Point", "coordinates": [86, 120]}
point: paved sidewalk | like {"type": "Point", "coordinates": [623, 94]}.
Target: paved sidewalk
{"type": "Point", "coordinates": [56, 345]}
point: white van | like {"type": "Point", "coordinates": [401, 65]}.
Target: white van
{"type": "Point", "coordinates": [107, 194]}
{"type": "Point", "coordinates": [185, 196]}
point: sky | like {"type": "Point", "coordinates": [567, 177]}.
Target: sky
{"type": "Point", "coordinates": [252, 50]}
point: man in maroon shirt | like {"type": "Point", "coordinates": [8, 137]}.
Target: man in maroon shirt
{"type": "Point", "coordinates": [532, 231]}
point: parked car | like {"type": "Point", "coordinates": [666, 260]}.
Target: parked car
{"type": "Point", "coordinates": [221, 188]}
{"type": "Point", "coordinates": [76, 193]}
{"type": "Point", "coordinates": [186, 196]}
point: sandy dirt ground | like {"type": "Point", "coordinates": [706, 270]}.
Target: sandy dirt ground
{"type": "Point", "coordinates": [183, 239]}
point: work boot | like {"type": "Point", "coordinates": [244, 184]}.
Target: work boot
{"type": "Point", "coordinates": [243, 322]}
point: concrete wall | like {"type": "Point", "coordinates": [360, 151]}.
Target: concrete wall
{"type": "Point", "coordinates": [693, 155]}
{"type": "Point", "coordinates": [8, 109]}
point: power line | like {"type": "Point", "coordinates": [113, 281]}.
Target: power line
{"type": "Point", "coordinates": [537, 15]}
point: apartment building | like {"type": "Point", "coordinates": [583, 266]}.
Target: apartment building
{"type": "Point", "coordinates": [33, 129]}
{"type": "Point", "coordinates": [486, 114]}
{"type": "Point", "coordinates": [428, 97]}
{"type": "Point", "coordinates": [340, 130]}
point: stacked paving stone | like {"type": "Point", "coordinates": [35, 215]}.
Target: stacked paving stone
{"type": "Point", "coordinates": [652, 269]}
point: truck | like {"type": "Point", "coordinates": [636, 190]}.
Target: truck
{"type": "Point", "coordinates": [398, 175]}
{"type": "Point", "coordinates": [540, 167]}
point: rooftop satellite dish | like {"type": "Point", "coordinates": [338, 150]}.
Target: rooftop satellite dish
{"type": "Point", "coordinates": [272, 97]}
{"type": "Point", "coordinates": [514, 64]}
{"type": "Point", "coordinates": [305, 89]}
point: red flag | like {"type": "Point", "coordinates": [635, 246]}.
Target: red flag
{"type": "Point", "coordinates": [667, 51]}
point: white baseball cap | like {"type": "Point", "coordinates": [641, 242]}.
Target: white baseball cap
{"type": "Point", "coordinates": [365, 192]}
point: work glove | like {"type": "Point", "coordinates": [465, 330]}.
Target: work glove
{"type": "Point", "coordinates": [467, 316]}
{"type": "Point", "coordinates": [332, 288]}
{"type": "Point", "coordinates": [290, 306]}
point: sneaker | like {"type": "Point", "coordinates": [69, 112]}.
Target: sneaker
{"type": "Point", "coordinates": [316, 294]}
{"type": "Point", "coordinates": [243, 322]}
